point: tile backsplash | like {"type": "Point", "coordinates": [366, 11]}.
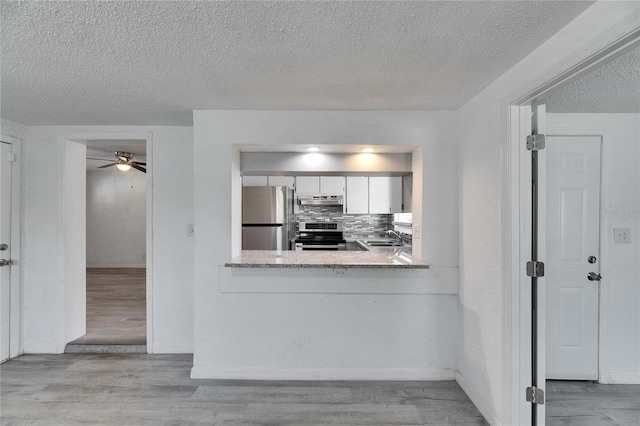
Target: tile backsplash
{"type": "Point", "coordinates": [354, 225]}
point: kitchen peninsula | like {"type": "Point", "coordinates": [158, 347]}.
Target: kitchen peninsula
{"type": "Point", "coordinates": [330, 321]}
{"type": "Point", "coordinates": [389, 259]}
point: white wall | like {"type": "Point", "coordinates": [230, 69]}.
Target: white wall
{"type": "Point", "coordinates": [75, 281]}
{"type": "Point", "coordinates": [228, 324]}
{"type": "Point", "coordinates": [620, 290]}
{"type": "Point", "coordinates": [484, 356]}
{"type": "Point", "coordinates": [12, 128]}
{"type": "Point", "coordinates": [170, 160]}
{"type": "Point", "coordinates": [116, 218]}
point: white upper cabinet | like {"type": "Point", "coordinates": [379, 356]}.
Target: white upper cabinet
{"type": "Point", "coordinates": [385, 194]}
{"type": "Point", "coordinates": [254, 181]}
{"type": "Point", "coordinates": [307, 184]}
{"type": "Point", "coordinates": [332, 185]}
{"type": "Point", "coordinates": [357, 199]}
{"type": "Point", "coordinates": [268, 181]}
{"type": "Point", "coordinates": [320, 185]}
{"type": "Point", "coordinates": [281, 181]}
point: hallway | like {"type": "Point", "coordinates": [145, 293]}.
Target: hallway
{"type": "Point", "coordinates": [116, 301]}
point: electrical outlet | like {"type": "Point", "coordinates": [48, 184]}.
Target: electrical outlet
{"type": "Point", "coordinates": [621, 235]}
{"type": "Point", "coordinates": [190, 230]}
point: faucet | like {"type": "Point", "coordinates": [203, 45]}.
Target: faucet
{"type": "Point", "coordinates": [395, 234]}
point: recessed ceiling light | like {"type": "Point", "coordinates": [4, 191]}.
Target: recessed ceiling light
{"type": "Point", "coordinates": [313, 149]}
{"type": "Point", "coordinates": [367, 150]}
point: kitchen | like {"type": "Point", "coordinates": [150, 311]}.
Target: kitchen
{"type": "Point", "coordinates": [327, 213]}
{"type": "Point", "coordinates": [312, 317]}
{"type": "Point", "coordinates": [356, 199]}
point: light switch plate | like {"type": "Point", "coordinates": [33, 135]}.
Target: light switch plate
{"type": "Point", "coordinates": [621, 235]}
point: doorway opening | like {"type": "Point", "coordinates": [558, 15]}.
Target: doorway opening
{"type": "Point", "coordinates": [589, 342]}
{"type": "Point", "coordinates": [116, 246]}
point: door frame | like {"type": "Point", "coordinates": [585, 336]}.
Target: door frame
{"type": "Point", "coordinates": [148, 137]}
{"type": "Point", "coordinates": [15, 319]}
{"type": "Point", "coordinates": [516, 235]}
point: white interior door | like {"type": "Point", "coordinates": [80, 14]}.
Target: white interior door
{"type": "Point", "coordinates": [572, 242]}
{"type": "Point", "coordinates": [5, 249]}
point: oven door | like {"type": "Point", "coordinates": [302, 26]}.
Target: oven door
{"type": "Point", "coordinates": [320, 246]}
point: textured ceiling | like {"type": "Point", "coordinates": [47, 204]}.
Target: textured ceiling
{"type": "Point", "coordinates": [612, 88]}
{"type": "Point", "coordinates": [152, 62]}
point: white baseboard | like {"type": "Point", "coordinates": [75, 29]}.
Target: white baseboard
{"type": "Point", "coordinates": [621, 379]}
{"type": "Point", "coordinates": [322, 373]}
{"type": "Point", "coordinates": [136, 265]}
{"type": "Point", "coordinates": [476, 396]}
{"type": "Point", "coordinates": [171, 349]}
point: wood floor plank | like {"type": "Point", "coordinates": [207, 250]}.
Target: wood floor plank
{"type": "Point", "coordinates": [116, 307]}
{"type": "Point", "coordinates": [585, 403]}
{"type": "Point", "coordinates": [143, 389]}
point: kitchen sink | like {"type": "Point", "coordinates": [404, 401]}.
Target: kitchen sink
{"type": "Point", "coordinates": [383, 243]}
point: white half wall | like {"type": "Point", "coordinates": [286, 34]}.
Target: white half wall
{"type": "Point", "coordinates": [232, 330]}
{"type": "Point", "coordinates": [619, 360]}
{"type": "Point", "coordinates": [171, 271]}
{"type": "Point", "coordinates": [116, 219]}
{"type": "Point", "coordinates": [485, 356]}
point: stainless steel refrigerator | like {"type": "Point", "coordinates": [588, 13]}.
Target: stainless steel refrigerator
{"type": "Point", "coordinates": [268, 220]}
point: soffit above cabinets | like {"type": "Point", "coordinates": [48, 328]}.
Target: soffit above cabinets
{"type": "Point", "coordinates": [328, 148]}
{"type": "Point", "coordinates": [312, 164]}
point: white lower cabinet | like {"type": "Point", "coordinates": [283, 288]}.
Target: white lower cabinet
{"type": "Point", "coordinates": [385, 194]}
{"type": "Point", "coordinates": [357, 199]}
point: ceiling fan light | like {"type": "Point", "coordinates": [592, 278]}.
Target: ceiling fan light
{"type": "Point", "coordinates": [124, 167]}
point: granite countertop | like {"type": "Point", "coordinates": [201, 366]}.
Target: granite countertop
{"type": "Point", "coordinates": [392, 259]}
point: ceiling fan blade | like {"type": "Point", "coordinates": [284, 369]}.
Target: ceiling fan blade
{"type": "Point", "coordinates": [100, 159]}
{"type": "Point", "coordinates": [135, 166]}
{"type": "Point", "coordinates": [107, 165]}
{"type": "Point", "coordinates": [138, 163]}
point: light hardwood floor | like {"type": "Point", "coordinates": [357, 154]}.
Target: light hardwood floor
{"type": "Point", "coordinates": [584, 403]}
{"type": "Point", "coordinates": [156, 390]}
{"type": "Point", "coordinates": [116, 307]}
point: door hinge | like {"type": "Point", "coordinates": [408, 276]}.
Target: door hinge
{"type": "Point", "coordinates": [535, 269]}
{"type": "Point", "coordinates": [11, 157]}
{"type": "Point", "coordinates": [535, 395]}
{"type": "Point", "coordinates": [535, 142]}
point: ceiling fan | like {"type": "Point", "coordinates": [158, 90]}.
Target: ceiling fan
{"type": "Point", "coordinates": [124, 161]}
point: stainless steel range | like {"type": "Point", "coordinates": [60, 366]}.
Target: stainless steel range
{"type": "Point", "coordinates": [320, 236]}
